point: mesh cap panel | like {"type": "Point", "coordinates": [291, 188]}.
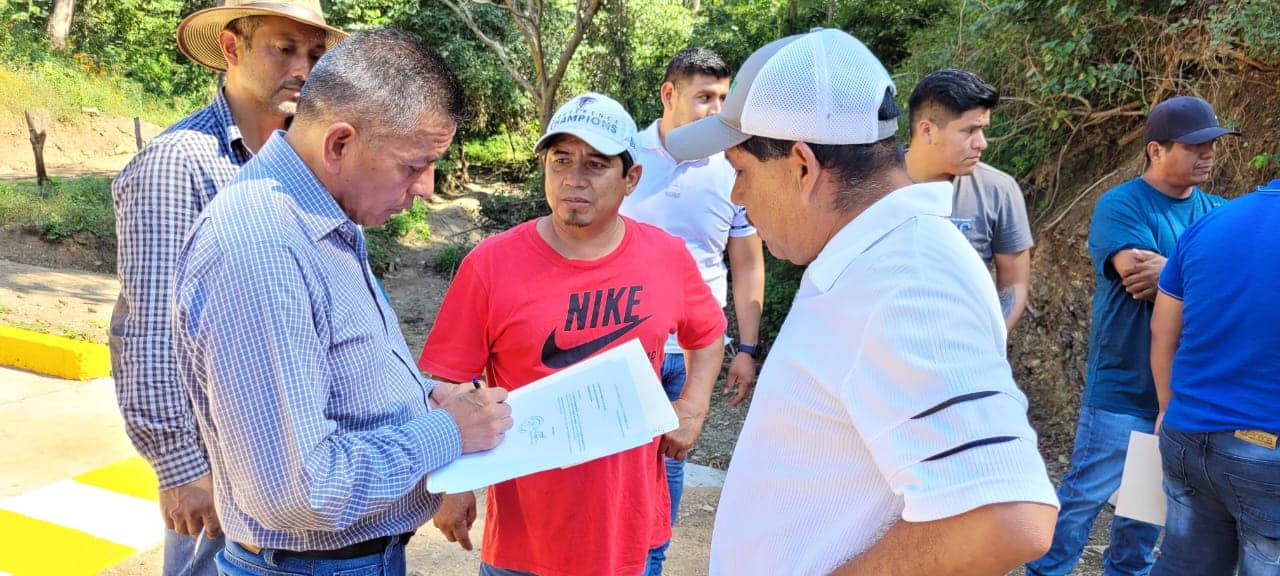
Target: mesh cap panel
{"type": "Point", "coordinates": [825, 88]}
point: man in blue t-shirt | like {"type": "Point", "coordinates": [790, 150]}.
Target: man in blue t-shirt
{"type": "Point", "coordinates": [1214, 357]}
{"type": "Point", "coordinates": [1135, 226]}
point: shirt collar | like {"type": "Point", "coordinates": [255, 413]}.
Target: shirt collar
{"type": "Point", "coordinates": [317, 209]}
{"type": "Point", "coordinates": [899, 206]}
{"type": "Point", "coordinates": [223, 111]}
{"type": "Point", "coordinates": [649, 139]}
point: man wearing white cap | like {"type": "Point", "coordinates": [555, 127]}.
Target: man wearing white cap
{"type": "Point", "coordinates": [549, 293]}
{"type": "Point", "coordinates": [266, 49]}
{"type": "Point", "coordinates": [887, 435]}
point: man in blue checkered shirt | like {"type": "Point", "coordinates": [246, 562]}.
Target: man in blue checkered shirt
{"type": "Point", "coordinates": [320, 430]}
{"type": "Point", "coordinates": [267, 50]}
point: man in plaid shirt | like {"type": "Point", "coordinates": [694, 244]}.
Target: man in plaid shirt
{"type": "Point", "coordinates": [267, 50]}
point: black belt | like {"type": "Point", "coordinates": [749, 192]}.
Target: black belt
{"type": "Point", "coordinates": [357, 550]}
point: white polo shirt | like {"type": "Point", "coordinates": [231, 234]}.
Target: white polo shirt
{"type": "Point", "coordinates": [886, 396]}
{"type": "Point", "coordinates": [691, 200]}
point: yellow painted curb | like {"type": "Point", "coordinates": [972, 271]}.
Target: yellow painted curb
{"type": "Point", "coordinates": [53, 355]}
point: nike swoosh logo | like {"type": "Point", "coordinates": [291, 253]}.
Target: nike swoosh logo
{"type": "Point", "coordinates": [554, 356]}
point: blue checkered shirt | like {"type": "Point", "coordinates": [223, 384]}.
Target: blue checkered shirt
{"type": "Point", "coordinates": [316, 418]}
{"type": "Point", "coordinates": [157, 197]}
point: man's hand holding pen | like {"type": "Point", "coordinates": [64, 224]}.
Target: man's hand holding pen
{"type": "Point", "coordinates": [482, 414]}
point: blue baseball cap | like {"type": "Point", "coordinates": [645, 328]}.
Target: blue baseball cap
{"type": "Point", "coordinates": [1185, 120]}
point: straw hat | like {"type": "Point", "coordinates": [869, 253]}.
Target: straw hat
{"type": "Point", "coordinates": [198, 33]}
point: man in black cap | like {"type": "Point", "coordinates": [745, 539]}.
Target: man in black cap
{"type": "Point", "coordinates": [1135, 226]}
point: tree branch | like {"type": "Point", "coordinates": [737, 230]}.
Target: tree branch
{"type": "Point", "coordinates": [458, 7]}
{"type": "Point", "coordinates": [583, 17]}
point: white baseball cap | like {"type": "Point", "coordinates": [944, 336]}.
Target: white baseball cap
{"type": "Point", "coordinates": [822, 87]}
{"type": "Point", "coordinates": [598, 120]}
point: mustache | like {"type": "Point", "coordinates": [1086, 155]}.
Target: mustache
{"type": "Point", "coordinates": [293, 85]}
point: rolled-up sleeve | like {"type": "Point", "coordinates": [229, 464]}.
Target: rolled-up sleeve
{"type": "Point", "coordinates": [156, 199]}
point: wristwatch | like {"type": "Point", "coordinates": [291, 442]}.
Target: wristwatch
{"type": "Point", "coordinates": [752, 350]}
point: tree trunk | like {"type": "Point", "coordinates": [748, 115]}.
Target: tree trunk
{"type": "Point", "coordinates": [60, 22]}
{"type": "Point", "coordinates": [462, 160]}
{"type": "Point", "coordinates": [36, 129]}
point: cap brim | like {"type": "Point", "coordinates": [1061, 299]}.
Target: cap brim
{"type": "Point", "coordinates": [198, 33]}
{"type": "Point", "coordinates": [1204, 135]}
{"type": "Point", "coordinates": [602, 144]}
{"type": "Point", "coordinates": [703, 138]}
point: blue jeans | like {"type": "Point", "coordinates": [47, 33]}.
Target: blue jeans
{"type": "Point", "coordinates": [491, 570]}
{"type": "Point", "coordinates": [1224, 505]}
{"type": "Point", "coordinates": [1097, 461]}
{"type": "Point", "coordinates": [673, 376]}
{"type": "Point", "coordinates": [234, 560]}
{"type": "Point", "coordinates": [181, 558]}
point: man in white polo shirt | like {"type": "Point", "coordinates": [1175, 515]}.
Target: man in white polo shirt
{"type": "Point", "coordinates": [691, 200]}
{"type": "Point", "coordinates": [887, 435]}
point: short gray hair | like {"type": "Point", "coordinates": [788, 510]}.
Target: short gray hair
{"type": "Point", "coordinates": [382, 80]}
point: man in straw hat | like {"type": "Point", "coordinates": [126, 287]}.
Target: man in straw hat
{"type": "Point", "coordinates": [887, 435]}
{"type": "Point", "coordinates": [267, 50]}
{"type": "Point", "coordinates": [320, 430]}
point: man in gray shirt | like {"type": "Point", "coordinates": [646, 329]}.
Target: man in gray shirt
{"type": "Point", "coordinates": [950, 110]}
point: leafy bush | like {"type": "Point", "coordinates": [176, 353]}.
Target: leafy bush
{"type": "Point", "coordinates": [448, 259]}
{"type": "Point", "coordinates": [781, 280]}
{"type": "Point", "coordinates": [61, 208]}
{"type": "Point", "coordinates": [501, 211]}
{"type": "Point", "coordinates": [411, 223]}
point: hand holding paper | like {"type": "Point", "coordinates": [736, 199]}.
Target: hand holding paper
{"type": "Point", "coordinates": [601, 406]}
{"type": "Point", "coordinates": [482, 417]}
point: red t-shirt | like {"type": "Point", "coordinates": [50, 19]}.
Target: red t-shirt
{"type": "Point", "coordinates": [518, 311]}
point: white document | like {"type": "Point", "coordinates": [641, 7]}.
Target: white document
{"type": "Point", "coordinates": [1141, 494]}
{"type": "Point", "coordinates": [601, 406]}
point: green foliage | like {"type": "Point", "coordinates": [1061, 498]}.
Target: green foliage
{"type": "Point", "coordinates": [502, 149]}
{"type": "Point", "coordinates": [448, 259]}
{"type": "Point", "coordinates": [781, 280]}
{"type": "Point", "coordinates": [1268, 163]}
{"type": "Point", "coordinates": [125, 44]}
{"type": "Point", "coordinates": [136, 38]}
{"type": "Point", "coordinates": [60, 209]}
{"type": "Point", "coordinates": [627, 53]}
{"type": "Point", "coordinates": [1064, 66]}
{"type": "Point", "coordinates": [31, 77]}
{"type": "Point", "coordinates": [501, 211]}
{"type": "Point", "coordinates": [409, 224]}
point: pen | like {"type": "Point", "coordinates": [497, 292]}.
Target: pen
{"type": "Point", "coordinates": [199, 540]}
{"type": "Point", "coordinates": [476, 382]}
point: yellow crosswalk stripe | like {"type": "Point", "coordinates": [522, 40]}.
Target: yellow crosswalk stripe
{"type": "Point", "coordinates": [30, 547]}
{"type": "Point", "coordinates": [82, 526]}
{"type": "Point", "coordinates": [132, 476]}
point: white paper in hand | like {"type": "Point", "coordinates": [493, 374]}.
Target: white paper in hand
{"type": "Point", "coordinates": [601, 406]}
{"type": "Point", "coordinates": [1142, 494]}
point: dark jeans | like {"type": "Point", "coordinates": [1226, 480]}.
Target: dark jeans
{"type": "Point", "coordinates": [235, 560]}
{"type": "Point", "coordinates": [673, 377]}
{"type": "Point", "coordinates": [1102, 439]}
{"type": "Point", "coordinates": [1224, 506]}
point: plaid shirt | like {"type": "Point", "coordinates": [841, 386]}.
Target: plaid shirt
{"type": "Point", "coordinates": [157, 197]}
{"type": "Point", "coordinates": [316, 418]}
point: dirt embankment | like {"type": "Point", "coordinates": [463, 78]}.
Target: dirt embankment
{"type": "Point", "coordinates": [90, 144]}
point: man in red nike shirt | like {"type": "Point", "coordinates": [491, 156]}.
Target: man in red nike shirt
{"type": "Point", "coordinates": [552, 292]}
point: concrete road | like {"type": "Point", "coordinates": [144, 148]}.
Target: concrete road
{"type": "Point", "coordinates": [76, 500]}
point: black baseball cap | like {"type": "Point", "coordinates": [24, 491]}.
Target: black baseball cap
{"type": "Point", "coordinates": [1185, 120]}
